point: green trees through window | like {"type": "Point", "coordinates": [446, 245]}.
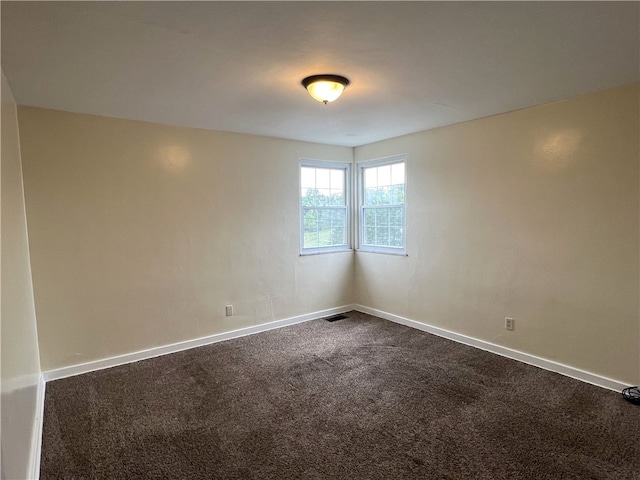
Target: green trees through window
{"type": "Point", "coordinates": [324, 206]}
{"type": "Point", "coordinates": [382, 206]}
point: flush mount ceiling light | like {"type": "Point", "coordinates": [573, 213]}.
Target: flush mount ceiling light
{"type": "Point", "coordinates": [325, 88]}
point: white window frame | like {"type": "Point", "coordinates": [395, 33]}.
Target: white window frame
{"type": "Point", "coordinates": [402, 158]}
{"type": "Point", "coordinates": [347, 247]}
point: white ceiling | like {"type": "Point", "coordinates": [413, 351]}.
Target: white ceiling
{"type": "Point", "coordinates": [237, 66]}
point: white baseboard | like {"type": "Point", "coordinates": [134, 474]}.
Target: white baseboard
{"type": "Point", "coordinates": [543, 363]}
{"type": "Point", "coordinates": [551, 365]}
{"type": "Point", "coordinates": [36, 438]}
{"type": "Point", "coordinates": [546, 364]}
{"type": "Point", "coordinates": [177, 347]}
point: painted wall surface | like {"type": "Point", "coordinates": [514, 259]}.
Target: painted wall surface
{"type": "Point", "coordinates": [531, 214]}
{"type": "Point", "coordinates": [141, 233]}
{"type": "Point", "coordinates": [20, 364]}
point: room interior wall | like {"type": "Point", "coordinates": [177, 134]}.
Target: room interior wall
{"type": "Point", "coordinates": [533, 215]}
{"type": "Point", "coordinates": [141, 233]}
{"type": "Point", "coordinates": [19, 358]}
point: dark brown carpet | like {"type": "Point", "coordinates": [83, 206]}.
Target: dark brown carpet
{"type": "Point", "coordinates": [360, 398]}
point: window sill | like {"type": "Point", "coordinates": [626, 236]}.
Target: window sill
{"type": "Point", "coordinates": [383, 252]}
{"type": "Point", "coordinates": [324, 252]}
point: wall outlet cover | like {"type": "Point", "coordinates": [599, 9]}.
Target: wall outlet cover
{"type": "Point", "coordinates": [509, 323]}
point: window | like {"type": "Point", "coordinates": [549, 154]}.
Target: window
{"type": "Point", "coordinates": [382, 205]}
{"type": "Point", "coordinates": [324, 207]}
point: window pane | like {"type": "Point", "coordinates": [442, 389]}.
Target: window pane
{"type": "Point", "coordinates": [324, 205]}
{"type": "Point", "coordinates": [310, 219]}
{"type": "Point", "coordinates": [370, 178]}
{"type": "Point", "coordinates": [310, 240]}
{"type": "Point", "coordinates": [369, 235]}
{"type": "Point", "coordinates": [397, 174]}
{"type": "Point", "coordinates": [396, 194]}
{"type": "Point", "coordinates": [310, 228]}
{"type": "Point", "coordinates": [369, 196]}
{"type": "Point", "coordinates": [338, 223]}
{"type": "Point", "coordinates": [383, 226]}
{"type": "Point", "coordinates": [395, 216]}
{"type": "Point", "coordinates": [307, 177]}
{"type": "Point", "coordinates": [382, 236]}
{"type": "Point", "coordinates": [382, 216]}
{"type": "Point", "coordinates": [337, 180]}
{"type": "Point", "coordinates": [369, 217]}
{"type": "Point", "coordinates": [384, 175]}
{"type": "Point", "coordinates": [383, 205]}
{"type": "Point", "coordinates": [323, 178]}
{"type": "Point", "coordinates": [384, 185]}
{"type": "Point", "coordinates": [337, 236]}
{"type": "Point", "coordinates": [324, 227]}
{"type": "Point", "coordinates": [322, 186]}
{"type": "Point", "coordinates": [336, 197]}
{"type": "Point", "coordinates": [324, 219]}
{"type": "Point", "coordinates": [316, 194]}
{"type": "Point", "coordinates": [382, 196]}
{"type": "Point", "coordinates": [395, 237]}
{"type": "Point", "coordinates": [323, 196]}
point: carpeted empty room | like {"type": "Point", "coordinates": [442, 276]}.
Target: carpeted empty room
{"type": "Point", "coordinates": [361, 397]}
{"type": "Point", "coordinates": [193, 191]}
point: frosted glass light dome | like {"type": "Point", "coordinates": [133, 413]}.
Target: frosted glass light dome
{"type": "Point", "coordinates": [325, 88]}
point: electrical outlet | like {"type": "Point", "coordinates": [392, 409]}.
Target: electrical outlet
{"type": "Point", "coordinates": [508, 323]}
{"type": "Point", "coordinates": [228, 310]}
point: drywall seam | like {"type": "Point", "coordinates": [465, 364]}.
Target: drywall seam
{"type": "Point", "coordinates": [185, 345]}
{"type": "Point", "coordinates": [540, 362]}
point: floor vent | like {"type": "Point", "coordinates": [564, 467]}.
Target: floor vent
{"type": "Point", "coordinates": [333, 318]}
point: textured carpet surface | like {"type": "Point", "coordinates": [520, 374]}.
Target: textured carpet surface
{"type": "Point", "coordinates": [360, 398]}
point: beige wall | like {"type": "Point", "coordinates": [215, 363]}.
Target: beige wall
{"type": "Point", "coordinates": [532, 214]}
{"type": "Point", "coordinates": [141, 233]}
{"type": "Point", "coordinates": [20, 368]}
